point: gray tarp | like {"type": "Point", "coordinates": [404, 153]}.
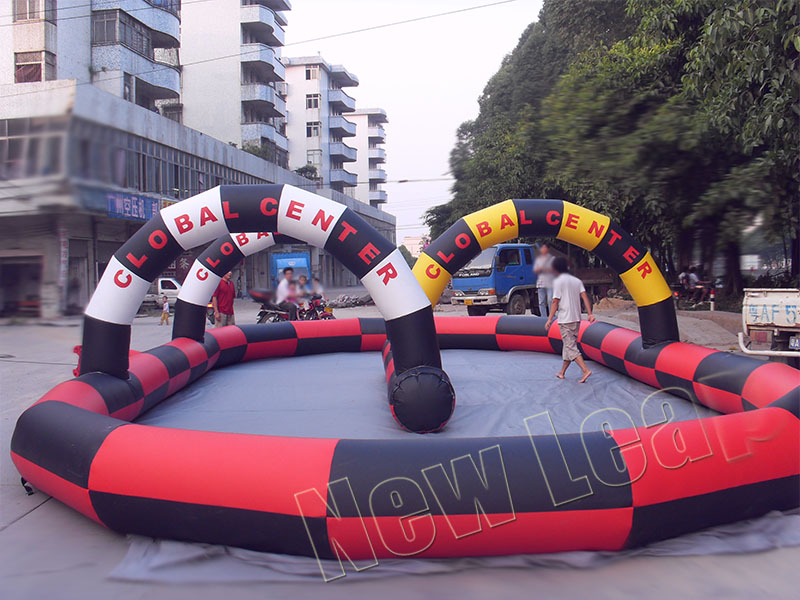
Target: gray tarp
{"type": "Point", "coordinates": [344, 395]}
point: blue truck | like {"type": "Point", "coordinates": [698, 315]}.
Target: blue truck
{"type": "Point", "coordinates": [499, 278]}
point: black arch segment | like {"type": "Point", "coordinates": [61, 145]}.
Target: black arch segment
{"type": "Point", "coordinates": [409, 349]}
{"type": "Point", "coordinates": [659, 323]}
{"type": "Point", "coordinates": [189, 321]}
{"type": "Point", "coordinates": [221, 256]}
{"type": "Point", "coordinates": [657, 522]}
{"type": "Point", "coordinates": [105, 347]}
{"type": "Point", "coordinates": [242, 207]}
{"type": "Point", "coordinates": [62, 438]}
{"type": "Point", "coordinates": [614, 246]}
{"type": "Point", "coordinates": [447, 249]}
{"type": "Point", "coordinates": [150, 250]}
{"type": "Point", "coordinates": [366, 466]}
{"type": "Point", "coordinates": [351, 236]}
{"type": "Point", "coordinates": [533, 217]}
{"type": "Point", "coordinates": [251, 529]}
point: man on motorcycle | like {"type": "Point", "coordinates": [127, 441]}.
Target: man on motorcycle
{"type": "Point", "coordinates": [283, 294]}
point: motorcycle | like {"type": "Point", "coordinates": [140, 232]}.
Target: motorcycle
{"type": "Point", "coordinates": [269, 312]}
{"type": "Point", "coordinates": [318, 310]}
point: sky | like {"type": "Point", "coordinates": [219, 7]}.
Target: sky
{"type": "Point", "coordinates": [427, 75]}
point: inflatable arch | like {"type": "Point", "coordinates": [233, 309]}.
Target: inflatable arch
{"type": "Point", "coordinates": [423, 400]}
{"type": "Point", "coordinates": [464, 240]}
{"type": "Point", "coordinates": [606, 487]}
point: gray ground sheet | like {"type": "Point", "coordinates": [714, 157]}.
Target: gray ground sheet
{"type": "Point", "coordinates": [344, 395]}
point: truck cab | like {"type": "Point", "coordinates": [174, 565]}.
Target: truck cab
{"type": "Point", "coordinates": [772, 315]}
{"type": "Point", "coordinates": [163, 286]}
{"type": "Point", "coordinates": [499, 278]}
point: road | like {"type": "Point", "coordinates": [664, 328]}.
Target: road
{"type": "Point", "coordinates": [48, 550]}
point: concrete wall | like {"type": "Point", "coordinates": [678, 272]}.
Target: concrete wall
{"type": "Point", "coordinates": [74, 56]}
{"type": "Point", "coordinates": [212, 100]}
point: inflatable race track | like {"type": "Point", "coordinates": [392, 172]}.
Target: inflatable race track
{"type": "Point", "coordinates": [609, 486]}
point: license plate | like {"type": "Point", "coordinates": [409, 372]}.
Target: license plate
{"type": "Point", "coordinates": [468, 302]}
{"type": "Point", "coordinates": [328, 309]}
{"type": "Point", "coordinates": [794, 342]}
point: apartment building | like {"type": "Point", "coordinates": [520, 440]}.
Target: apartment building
{"type": "Point", "coordinates": [233, 79]}
{"type": "Point", "coordinates": [369, 166]}
{"type": "Point", "coordinates": [128, 48]}
{"type": "Point", "coordinates": [91, 147]}
{"type": "Point", "coordinates": [317, 124]}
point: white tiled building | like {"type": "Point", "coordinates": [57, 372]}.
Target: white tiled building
{"type": "Point", "coordinates": [233, 78]}
{"type": "Point", "coordinates": [317, 124]}
{"type": "Point", "coordinates": [370, 163]}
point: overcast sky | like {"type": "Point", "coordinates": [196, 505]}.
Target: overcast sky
{"type": "Point", "coordinates": [426, 75]}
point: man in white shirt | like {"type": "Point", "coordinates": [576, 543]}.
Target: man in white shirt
{"type": "Point", "coordinates": [543, 268]}
{"type": "Point", "coordinates": [282, 294]}
{"type": "Point", "coordinates": [568, 291]}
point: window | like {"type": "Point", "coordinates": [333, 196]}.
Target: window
{"type": "Point", "coordinates": [313, 129]}
{"type": "Point", "coordinates": [312, 100]}
{"type": "Point", "coordinates": [127, 87]}
{"type": "Point", "coordinates": [166, 284]}
{"type": "Point", "coordinates": [508, 257]}
{"type": "Point", "coordinates": [314, 157]}
{"type": "Point", "coordinates": [312, 72]}
{"type": "Point", "coordinates": [528, 257]}
{"type": "Point", "coordinates": [104, 27]}
{"type": "Point", "coordinates": [31, 10]}
{"type": "Point", "coordinates": [113, 26]}
{"type": "Point", "coordinates": [30, 66]}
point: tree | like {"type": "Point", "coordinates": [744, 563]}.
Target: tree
{"type": "Point", "coordinates": [407, 255]}
{"type": "Point", "coordinates": [308, 171]}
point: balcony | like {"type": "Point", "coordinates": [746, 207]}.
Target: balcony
{"type": "Point", "coordinates": [377, 196]}
{"type": "Point", "coordinates": [164, 22]}
{"type": "Point", "coordinates": [265, 98]}
{"type": "Point", "coordinates": [273, 4]}
{"type": "Point", "coordinates": [343, 77]}
{"type": "Point", "coordinates": [346, 178]}
{"type": "Point", "coordinates": [255, 132]}
{"type": "Point", "coordinates": [377, 155]}
{"type": "Point", "coordinates": [262, 23]}
{"type": "Point", "coordinates": [263, 60]}
{"type": "Point", "coordinates": [161, 80]}
{"type": "Point", "coordinates": [342, 151]}
{"type": "Point", "coordinates": [377, 175]}
{"type": "Point", "coordinates": [377, 133]}
{"type": "Point", "coordinates": [340, 101]}
{"type": "Point", "coordinates": [341, 127]}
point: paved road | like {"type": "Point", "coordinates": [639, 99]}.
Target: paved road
{"type": "Point", "coordinates": [47, 550]}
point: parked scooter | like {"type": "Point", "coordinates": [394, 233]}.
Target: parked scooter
{"type": "Point", "coordinates": [318, 310]}
{"type": "Point", "coordinates": [269, 312]}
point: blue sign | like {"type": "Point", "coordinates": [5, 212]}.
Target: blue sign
{"type": "Point", "coordinates": [128, 206]}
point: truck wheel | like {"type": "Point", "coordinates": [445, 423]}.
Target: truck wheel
{"type": "Point", "coordinates": [477, 311]}
{"type": "Point", "coordinates": [516, 306]}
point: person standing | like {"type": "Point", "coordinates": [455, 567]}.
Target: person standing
{"type": "Point", "coordinates": [222, 301]}
{"type": "Point", "coordinates": [164, 312]}
{"type": "Point", "coordinates": [283, 294]}
{"type": "Point", "coordinates": [568, 291]}
{"type": "Point", "coordinates": [543, 267]}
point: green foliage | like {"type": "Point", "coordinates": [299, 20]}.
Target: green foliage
{"type": "Point", "coordinates": [308, 171]}
{"type": "Point", "coordinates": [407, 255]}
{"type": "Point", "coordinates": [680, 121]}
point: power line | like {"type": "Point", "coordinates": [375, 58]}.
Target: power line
{"type": "Point", "coordinates": [327, 37]}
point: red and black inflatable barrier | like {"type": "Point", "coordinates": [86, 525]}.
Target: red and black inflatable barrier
{"type": "Point", "coordinates": [227, 214]}
{"type": "Point", "coordinates": [616, 486]}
